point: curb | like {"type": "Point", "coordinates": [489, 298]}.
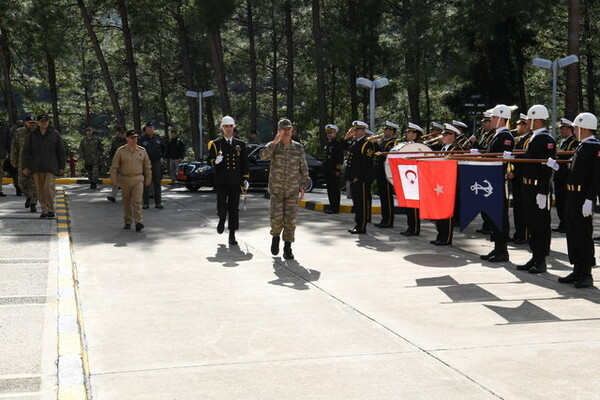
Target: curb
{"type": "Point", "coordinates": [81, 181]}
{"type": "Point", "coordinates": [73, 370]}
{"type": "Point", "coordinates": [344, 208]}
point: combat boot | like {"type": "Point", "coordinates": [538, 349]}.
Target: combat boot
{"type": "Point", "coordinates": [93, 185]}
{"type": "Point", "coordinates": [287, 251]}
{"type": "Point", "coordinates": [232, 240]}
{"type": "Point", "coordinates": [275, 245]}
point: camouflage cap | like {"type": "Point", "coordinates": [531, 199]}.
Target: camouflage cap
{"type": "Point", "coordinates": [284, 123]}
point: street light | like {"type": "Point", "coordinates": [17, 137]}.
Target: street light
{"type": "Point", "coordinates": [200, 96]}
{"type": "Point", "coordinates": [372, 86]}
{"type": "Point", "coordinates": [554, 66]}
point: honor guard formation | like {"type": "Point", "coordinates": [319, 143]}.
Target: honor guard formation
{"type": "Point", "coordinates": [535, 167]}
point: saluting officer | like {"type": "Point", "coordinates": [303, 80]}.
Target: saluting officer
{"type": "Point", "coordinates": [333, 158]}
{"type": "Point", "coordinates": [359, 163]}
{"type": "Point", "coordinates": [413, 218]}
{"type": "Point", "coordinates": [522, 136]}
{"type": "Point", "coordinates": [583, 183]}
{"type": "Point", "coordinates": [568, 143]}
{"type": "Point", "coordinates": [385, 188]}
{"type": "Point", "coordinates": [131, 169]}
{"type": "Point", "coordinates": [536, 181]}
{"type": "Point", "coordinates": [229, 157]}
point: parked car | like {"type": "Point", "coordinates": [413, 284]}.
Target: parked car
{"type": "Point", "coordinates": [195, 174]}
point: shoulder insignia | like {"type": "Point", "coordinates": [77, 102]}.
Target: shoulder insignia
{"type": "Point", "coordinates": [121, 147]}
{"type": "Point", "coordinates": [507, 142]}
{"type": "Point", "coordinates": [550, 146]}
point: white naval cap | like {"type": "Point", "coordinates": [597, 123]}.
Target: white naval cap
{"type": "Point", "coordinates": [414, 127]}
{"type": "Point", "coordinates": [389, 124]}
{"type": "Point", "coordinates": [487, 115]}
{"type": "Point", "coordinates": [437, 125]}
{"type": "Point", "coordinates": [459, 124]}
{"type": "Point", "coordinates": [359, 124]}
{"type": "Point", "coordinates": [522, 116]}
{"type": "Point", "coordinates": [451, 128]}
{"type": "Point", "coordinates": [331, 128]}
{"type": "Point", "coordinates": [565, 122]}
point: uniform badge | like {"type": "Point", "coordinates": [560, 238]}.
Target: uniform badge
{"type": "Point", "coordinates": [507, 142]}
{"type": "Point", "coordinates": [238, 149]}
{"type": "Point", "coordinates": [369, 152]}
{"type": "Point", "coordinates": [598, 155]}
{"type": "Point", "coordinates": [550, 146]}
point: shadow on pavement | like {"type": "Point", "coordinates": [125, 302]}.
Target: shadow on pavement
{"type": "Point", "coordinates": [293, 275]}
{"type": "Point", "coordinates": [230, 256]}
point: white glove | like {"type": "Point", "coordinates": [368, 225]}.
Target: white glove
{"type": "Point", "coordinates": [540, 199]}
{"type": "Point", "coordinates": [475, 151]}
{"type": "Point", "coordinates": [245, 185]}
{"type": "Point", "coordinates": [552, 163]}
{"type": "Point", "coordinates": [507, 154]}
{"type": "Point", "coordinates": [586, 208]}
{"type": "Point", "coordinates": [218, 159]}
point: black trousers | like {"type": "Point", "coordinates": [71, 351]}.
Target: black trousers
{"type": "Point", "coordinates": [445, 229]}
{"type": "Point", "coordinates": [518, 210]}
{"type": "Point", "coordinates": [386, 196]}
{"type": "Point", "coordinates": [413, 220]}
{"type": "Point", "coordinates": [156, 178]}
{"type": "Point", "coordinates": [360, 202]}
{"type": "Point", "coordinates": [228, 203]}
{"type": "Point", "coordinates": [333, 191]}
{"type": "Point", "coordinates": [580, 245]}
{"type": "Point", "coordinates": [560, 196]}
{"type": "Point", "coordinates": [538, 223]}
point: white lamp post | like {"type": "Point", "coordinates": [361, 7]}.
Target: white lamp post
{"type": "Point", "coordinates": [200, 96]}
{"type": "Point", "coordinates": [372, 86]}
{"type": "Point", "coordinates": [554, 66]}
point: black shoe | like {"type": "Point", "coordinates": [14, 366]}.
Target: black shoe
{"type": "Point", "coordinates": [527, 265]}
{"type": "Point", "coordinates": [484, 231]}
{"type": "Point", "coordinates": [32, 209]}
{"type": "Point", "coordinates": [410, 233]}
{"type": "Point", "coordinates": [145, 206]}
{"type": "Point", "coordinates": [139, 226]}
{"type": "Point", "coordinates": [287, 251]}
{"type": "Point", "coordinates": [111, 199]}
{"type": "Point", "coordinates": [568, 279]}
{"type": "Point", "coordinates": [50, 215]}
{"type": "Point", "coordinates": [93, 186]}
{"type": "Point", "coordinates": [499, 257]}
{"type": "Point", "coordinates": [538, 268]}
{"type": "Point", "coordinates": [28, 202]}
{"type": "Point", "coordinates": [221, 226]}
{"type": "Point", "coordinates": [2, 194]}
{"type": "Point", "coordinates": [355, 231]}
{"type": "Point", "coordinates": [159, 206]}
{"type": "Point", "coordinates": [275, 245]}
{"type": "Point", "coordinates": [127, 226]}
{"type": "Point", "coordinates": [585, 282]}
{"type": "Point", "coordinates": [520, 241]}
{"type": "Point", "coordinates": [382, 225]}
{"type": "Point", "coordinates": [232, 240]}
{"type": "Point", "coordinates": [441, 243]}
{"type": "Point", "coordinates": [43, 215]}
{"type": "Point", "coordinates": [488, 255]}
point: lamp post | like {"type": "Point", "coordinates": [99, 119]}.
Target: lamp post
{"type": "Point", "coordinates": [372, 86]}
{"type": "Point", "coordinates": [200, 96]}
{"type": "Point", "coordinates": [554, 66]}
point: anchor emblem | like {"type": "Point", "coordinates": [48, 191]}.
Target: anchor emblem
{"type": "Point", "coordinates": [489, 189]}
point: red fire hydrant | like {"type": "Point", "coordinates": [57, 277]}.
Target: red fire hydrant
{"type": "Point", "coordinates": [72, 162]}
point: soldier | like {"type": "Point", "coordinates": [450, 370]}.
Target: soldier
{"type": "Point", "coordinates": [568, 143]}
{"type": "Point", "coordinates": [229, 157]}
{"type": "Point", "coordinates": [385, 188]}
{"type": "Point", "coordinates": [156, 149]}
{"type": "Point", "coordinates": [536, 180]}
{"type": "Point", "coordinates": [288, 176]}
{"type": "Point", "coordinates": [515, 176]}
{"type": "Point", "coordinates": [131, 169]}
{"type": "Point", "coordinates": [461, 139]}
{"type": "Point", "coordinates": [501, 142]}
{"type": "Point", "coordinates": [583, 183]}
{"type": "Point", "coordinates": [480, 141]}
{"type": "Point", "coordinates": [4, 150]}
{"type": "Point", "coordinates": [90, 151]}
{"type": "Point", "coordinates": [175, 154]}
{"type": "Point", "coordinates": [359, 162]}
{"type": "Point", "coordinates": [16, 155]}
{"type": "Point", "coordinates": [333, 158]}
{"type": "Point", "coordinates": [117, 142]}
{"type": "Point", "coordinates": [413, 220]}
{"type": "Point", "coordinates": [44, 157]}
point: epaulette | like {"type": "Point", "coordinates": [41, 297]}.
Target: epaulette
{"type": "Point", "coordinates": [122, 147]}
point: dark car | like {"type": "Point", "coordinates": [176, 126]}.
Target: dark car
{"type": "Point", "coordinates": [196, 174]}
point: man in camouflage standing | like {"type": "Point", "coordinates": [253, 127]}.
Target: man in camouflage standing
{"type": "Point", "coordinates": [288, 176]}
{"type": "Point", "coordinates": [90, 151]}
{"type": "Point", "coordinates": [16, 156]}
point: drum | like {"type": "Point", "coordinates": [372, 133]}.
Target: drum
{"type": "Point", "coordinates": [403, 147]}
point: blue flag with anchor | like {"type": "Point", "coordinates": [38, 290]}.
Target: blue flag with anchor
{"type": "Point", "coordinates": [481, 190]}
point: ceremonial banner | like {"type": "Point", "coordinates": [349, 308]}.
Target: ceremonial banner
{"type": "Point", "coordinates": [437, 188]}
{"type": "Point", "coordinates": [481, 190]}
{"type": "Point", "coordinates": [406, 181]}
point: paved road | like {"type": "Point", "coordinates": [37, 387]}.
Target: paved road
{"type": "Point", "coordinates": [174, 312]}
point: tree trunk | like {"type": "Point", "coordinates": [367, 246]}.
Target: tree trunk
{"type": "Point", "coordinates": [86, 88]}
{"type": "Point", "coordinates": [572, 89]}
{"type": "Point", "coordinates": [53, 89]}
{"type": "Point", "coordinates": [274, 111]}
{"type": "Point", "coordinates": [6, 60]}
{"type": "Point", "coordinates": [289, 71]}
{"type": "Point", "coordinates": [412, 66]}
{"type": "Point", "coordinates": [253, 71]}
{"type": "Point", "coordinates": [589, 60]}
{"type": "Point", "coordinates": [163, 100]}
{"type": "Point", "coordinates": [216, 52]}
{"type": "Point", "coordinates": [131, 66]}
{"type": "Point", "coordinates": [316, 22]}
{"type": "Point", "coordinates": [110, 88]}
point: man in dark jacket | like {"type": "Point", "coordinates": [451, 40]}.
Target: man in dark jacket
{"type": "Point", "coordinates": [4, 149]}
{"type": "Point", "coordinates": [156, 149]}
{"type": "Point", "coordinates": [175, 153]}
{"type": "Point", "coordinates": [333, 158]}
{"type": "Point", "coordinates": [44, 157]}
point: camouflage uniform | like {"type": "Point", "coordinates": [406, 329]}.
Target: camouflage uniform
{"type": "Point", "coordinates": [90, 151]}
{"type": "Point", "coordinates": [16, 155]}
{"type": "Point", "coordinates": [288, 174]}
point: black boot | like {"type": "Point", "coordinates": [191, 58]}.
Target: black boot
{"type": "Point", "coordinates": [93, 185]}
{"type": "Point", "coordinates": [232, 240]}
{"type": "Point", "coordinates": [287, 251]}
{"type": "Point", "coordinates": [221, 225]}
{"type": "Point", "coordinates": [500, 252]}
{"type": "Point", "coordinates": [275, 245]}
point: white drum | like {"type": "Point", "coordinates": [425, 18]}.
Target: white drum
{"type": "Point", "coordinates": [404, 147]}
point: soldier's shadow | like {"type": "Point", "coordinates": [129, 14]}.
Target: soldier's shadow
{"type": "Point", "coordinates": [293, 275]}
{"type": "Point", "coordinates": [230, 256]}
{"type": "Point", "coordinates": [372, 243]}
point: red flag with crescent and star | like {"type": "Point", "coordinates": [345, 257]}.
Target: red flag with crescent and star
{"type": "Point", "coordinates": [406, 181]}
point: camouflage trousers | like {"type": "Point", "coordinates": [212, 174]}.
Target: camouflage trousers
{"type": "Point", "coordinates": [93, 171]}
{"type": "Point", "coordinates": [282, 213]}
{"type": "Point", "coordinates": [27, 186]}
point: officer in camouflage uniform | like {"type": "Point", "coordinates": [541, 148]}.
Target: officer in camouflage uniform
{"type": "Point", "coordinates": [16, 156]}
{"type": "Point", "coordinates": [90, 151]}
{"type": "Point", "coordinates": [288, 176]}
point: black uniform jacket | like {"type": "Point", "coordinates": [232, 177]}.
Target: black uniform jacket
{"type": "Point", "coordinates": [568, 144]}
{"type": "Point", "coordinates": [359, 161]}
{"type": "Point", "coordinates": [541, 146]}
{"type": "Point", "coordinates": [333, 157]}
{"type": "Point", "coordinates": [585, 168]}
{"type": "Point", "coordinates": [233, 170]}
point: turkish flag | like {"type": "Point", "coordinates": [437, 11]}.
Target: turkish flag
{"type": "Point", "coordinates": [406, 181]}
{"type": "Point", "coordinates": [437, 188]}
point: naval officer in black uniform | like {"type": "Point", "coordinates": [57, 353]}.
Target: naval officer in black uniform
{"type": "Point", "coordinates": [568, 143]}
{"type": "Point", "coordinates": [384, 187]}
{"type": "Point", "coordinates": [229, 157]}
{"type": "Point", "coordinates": [333, 158]}
{"type": "Point", "coordinates": [413, 217]}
